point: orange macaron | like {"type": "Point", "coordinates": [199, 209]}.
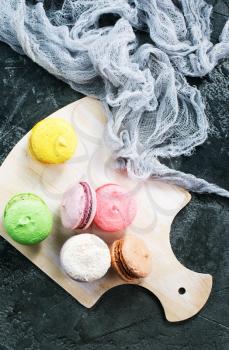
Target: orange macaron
{"type": "Point", "coordinates": [130, 258]}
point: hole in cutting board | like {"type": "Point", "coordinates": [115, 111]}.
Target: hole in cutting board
{"type": "Point", "coordinates": [181, 290]}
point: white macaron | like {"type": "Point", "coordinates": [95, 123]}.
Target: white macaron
{"type": "Point", "coordinates": [85, 257]}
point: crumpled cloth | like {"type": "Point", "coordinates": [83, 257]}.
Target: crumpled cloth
{"type": "Point", "coordinates": [153, 113]}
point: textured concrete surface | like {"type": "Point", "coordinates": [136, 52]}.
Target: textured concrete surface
{"type": "Point", "coordinates": [35, 313]}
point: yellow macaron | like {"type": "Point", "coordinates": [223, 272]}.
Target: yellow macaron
{"type": "Point", "coordinates": [53, 141]}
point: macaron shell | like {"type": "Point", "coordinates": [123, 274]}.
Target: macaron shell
{"type": "Point", "coordinates": [74, 204]}
{"type": "Point", "coordinates": [20, 197]}
{"type": "Point", "coordinates": [85, 257]}
{"type": "Point", "coordinates": [53, 140]}
{"type": "Point", "coordinates": [136, 256]}
{"type": "Point", "coordinates": [27, 219]}
{"type": "Point", "coordinates": [116, 208]}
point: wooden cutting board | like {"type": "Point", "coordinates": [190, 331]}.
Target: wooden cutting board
{"type": "Point", "coordinates": [181, 291]}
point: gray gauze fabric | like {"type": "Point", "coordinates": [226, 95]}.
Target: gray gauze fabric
{"type": "Point", "coordinates": [153, 113]}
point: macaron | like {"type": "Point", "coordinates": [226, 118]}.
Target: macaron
{"type": "Point", "coordinates": [116, 208]}
{"type": "Point", "coordinates": [78, 206]}
{"type": "Point", "coordinates": [85, 257]}
{"type": "Point", "coordinates": [130, 258]}
{"type": "Point", "coordinates": [53, 141]}
{"type": "Point", "coordinates": [27, 219]}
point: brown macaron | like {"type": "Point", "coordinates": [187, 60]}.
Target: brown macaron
{"type": "Point", "coordinates": [130, 258]}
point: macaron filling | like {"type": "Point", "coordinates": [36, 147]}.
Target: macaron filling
{"type": "Point", "coordinates": [88, 206]}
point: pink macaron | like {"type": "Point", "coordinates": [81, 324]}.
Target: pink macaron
{"type": "Point", "coordinates": [116, 208]}
{"type": "Point", "coordinates": [78, 206]}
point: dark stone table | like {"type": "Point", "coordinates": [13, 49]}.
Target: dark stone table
{"type": "Point", "coordinates": [35, 313]}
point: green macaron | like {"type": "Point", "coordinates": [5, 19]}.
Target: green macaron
{"type": "Point", "coordinates": [27, 219]}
